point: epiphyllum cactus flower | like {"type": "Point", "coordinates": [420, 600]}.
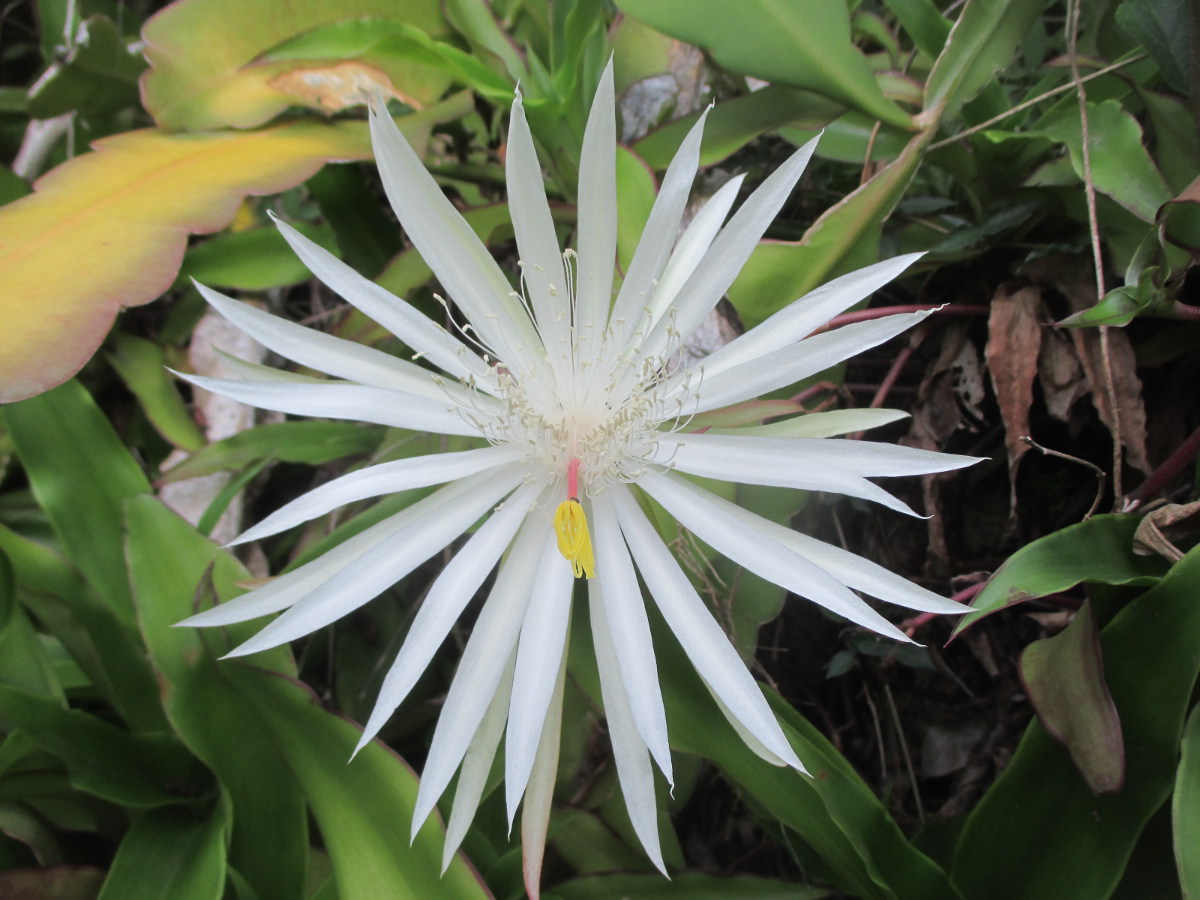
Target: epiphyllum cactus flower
{"type": "Point", "coordinates": [575, 405]}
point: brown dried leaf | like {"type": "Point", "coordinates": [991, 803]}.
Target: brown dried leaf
{"type": "Point", "coordinates": [1060, 374]}
{"type": "Point", "coordinates": [1158, 531]}
{"type": "Point", "coordinates": [339, 86]}
{"type": "Point", "coordinates": [1014, 339]}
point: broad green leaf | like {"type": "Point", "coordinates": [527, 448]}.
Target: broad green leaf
{"type": "Point", "coordinates": [98, 76]}
{"type": "Point", "coordinates": [170, 565]}
{"type": "Point", "coordinates": [1099, 551]}
{"type": "Point", "coordinates": [251, 260]}
{"type": "Point", "coordinates": [685, 886]}
{"type": "Point", "coordinates": [80, 472]}
{"type": "Point", "coordinates": [101, 759]}
{"type": "Point", "coordinates": [981, 43]}
{"type": "Point", "coordinates": [805, 46]}
{"type": "Point", "coordinates": [1039, 832]}
{"type": "Point", "coordinates": [1179, 218]}
{"type": "Point", "coordinates": [366, 237]}
{"type": "Point", "coordinates": [314, 443]}
{"type": "Point", "coordinates": [23, 660]}
{"type": "Point", "coordinates": [1185, 808]}
{"type": "Point", "coordinates": [635, 198]}
{"type": "Point", "coordinates": [12, 186]}
{"type": "Point", "coordinates": [127, 208]}
{"type": "Point", "coordinates": [1167, 30]}
{"type": "Point", "coordinates": [1121, 167]}
{"type": "Point", "coordinates": [1064, 677]}
{"type": "Point", "coordinates": [170, 853]}
{"type": "Point", "coordinates": [845, 237]}
{"type": "Point", "coordinates": [362, 807]}
{"type": "Point", "coordinates": [142, 365]}
{"type": "Point", "coordinates": [204, 53]}
{"type": "Point", "coordinates": [924, 23]}
{"type": "Point", "coordinates": [102, 645]}
{"type": "Point", "coordinates": [474, 20]}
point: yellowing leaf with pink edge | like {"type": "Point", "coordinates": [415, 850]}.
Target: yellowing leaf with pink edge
{"type": "Point", "coordinates": [207, 65]}
{"type": "Point", "coordinates": [108, 230]}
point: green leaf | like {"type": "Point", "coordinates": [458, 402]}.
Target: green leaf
{"type": "Point", "coordinates": [142, 365]}
{"type": "Point", "coordinates": [98, 76]}
{"type": "Point", "coordinates": [252, 260]}
{"type": "Point", "coordinates": [684, 886]}
{"type": "Point", "coordinates": [1121, 167]}
{"type": "Point", "coordinates": [313, 443]}
{"type": "Point", "coordinates": [171, 565]}
{"type": "Point", "coordinates": [1185, 808]}
{"type": "Point", "coordinates": [1064, 677]}
{"type": "Point", "coordinates": [360, 806]}
{"type": "Point", "coordinates": [170, 853]}
{"type": "Point", "coordinates": [635, 199]}
{"type": "Point", "coordinates": [1165, 29]}
{"type": "Point", "coordinates": [23, 660]}
{"type": "Point", "coordinates": [101, 759]}
{"type": "Point", "coordinates": [80, 472]}
{"type": "Point", "coordinates": [981, 43]}
{"type": "Point", "coordinates": [1098, 551]}
{"type": "Point", "coordinates": [1039, 832]}
{"type": "Point", "coordinates": [924, 22]}
{"type": "Point", "coordinates": [805, 46]}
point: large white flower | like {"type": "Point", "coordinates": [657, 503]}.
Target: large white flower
{"type": "Point", "coordinates": [575, 405]}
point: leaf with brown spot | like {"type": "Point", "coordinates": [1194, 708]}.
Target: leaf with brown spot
{"type": "Point", "coordinates": [1014, 340]}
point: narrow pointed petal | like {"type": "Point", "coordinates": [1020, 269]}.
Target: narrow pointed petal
{"type": "Point", "coordinates": [379, 568]}
{"type": "Point", "coordinates": [720, 266]}
{"type": "Point", "coordinates": [657, 238]}
{"type": "Point", "coordinates": [342, 400]}
{"type": "Point", "coordinates": [285, 590]}
{"type": "Point", "coordinates": [791, 364]}
{"type": "Point", "coordinates": [535, 818]}
{"type": "Point", "coordinates": [452, 250]}
{"type": "Point", "coordinates": [693, 454]}
{"type": "Point", "coordinates": [800, 319]}
{"type": "Point", "coordinates": [452, 590]}
{"type": "Point", "coordinates": [753, 546]}
{"type": "Point", "coordinates": [537, 244]}
{"type": "Point", "coordinates": [540, 654]}
{"type": "Point", "coordinates": [629, 632]}
{"type": "Point", "coordinates": [247, 371]}
{"type": "Point", "coordinates": [697, 631]}
{"type": "Point", "coordinates": [397, 316]}
{"type": "Point", "coordinates": [477, 766]}
{"type": "Point", "coordinates": [821, 424]}
{"type": "Point", "coordinates": [338, 357]}
{"type": "Point", "coordinates": [629, 751]}
{"type": "Point", "coordinates": [488, 658]}
{"type": "Point", "coordinates": [374, 481]}
{"type": "Point", "coordinates": [692, 246]}
{"type": "Point", "coordinates": [596, 237]}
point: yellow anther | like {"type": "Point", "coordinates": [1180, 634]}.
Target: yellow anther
{"type": "Point", "coordinates": [574, 542]}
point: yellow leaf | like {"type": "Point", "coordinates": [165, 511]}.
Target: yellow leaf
{"type": "Point", "coordinates": [108, 229]}
{"type": "Point", "coordinates": [205, 60]}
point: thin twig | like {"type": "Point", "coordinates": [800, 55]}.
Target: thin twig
{"type": "Point", "coordinates": [908, 764]}
{"type": "Point", "coordinates": [1100, 474]}
{"type": "Point", "coordinates": [1171, 469]}
{"type": "Point", "coordinates": [1032, 101]}
{"type": "Point", "coordinates": [1089, 187]}
{"type": "Point", "coordinates": [863, 315]}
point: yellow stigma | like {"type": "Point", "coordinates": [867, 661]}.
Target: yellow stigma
{"type": "Point", "coordinates": [574, 542]}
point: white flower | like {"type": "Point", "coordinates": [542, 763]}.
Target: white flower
{"type": "Point", "coordinates": [572, 401]}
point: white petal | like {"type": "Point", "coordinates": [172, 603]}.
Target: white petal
{"type": "Point", "coordinates": [791, 364]}
{"type": "Point", "coordinates": [802, 317]}
{"type": "Point", "coordinates": [662, 228]}
{"type": "Point", "coordinates": [374, 481]}
{"type": "Point", "coordinates": [629, 631]}
{"type": "Point", "coordinates": [539, 657]}
{"type": "Point", "coordinates": [535, 818]}
{"type": "Point", "coordinates": [596, 236]}
{"type": "Point", "coordinates": [485, 660]}
{"type": "Point", "coordinates": [697, 631]}
{"type": "Point", "coordinates": [752, 545]}
{"type": "Point", "coordinates": [629, 750]}
{"type": "Point", "coordinates": [821, 424]}
{"type": "Point", "coordinates": [706, 456]}
{"type": "Point", "coordinates": [451, 591]}
{"type": "Point", "coordinates": [248, 371]}
{"type": "Point", "coordinates": [692, 246]}
{"type": "Point", "coordinates": [476, 767]}
{"type": "Point", "coordinates": [338, 357]}
{"type": "Point", "coordinates": [341, 400]}
{"type": "Point", "coordinates": [452, 250]}
{"type": "Point", "coordinates": [720, 266]}
{"type": "Point", "coordinates": [537, 244]}
{"type": "Point", "coordinates": [418, 331]}
{"type": "Point", "coordinates": [381, 566]}
{"type": "Point", "coordinates": [284, 590]}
